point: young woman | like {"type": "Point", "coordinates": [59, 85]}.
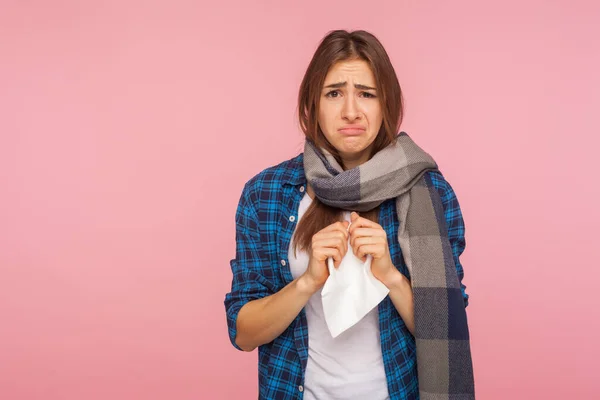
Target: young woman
{"type": "Point", "coordinates": [360, 184]}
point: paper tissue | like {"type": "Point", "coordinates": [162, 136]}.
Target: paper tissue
{"type": "Point", "coordinates": [350, 292]}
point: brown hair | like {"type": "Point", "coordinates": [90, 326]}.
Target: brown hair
{"type": "Point", "coordinates": [336, 46]}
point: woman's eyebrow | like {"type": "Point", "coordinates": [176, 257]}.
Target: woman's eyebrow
{"type": "Point", "coordinates": [342, 84]}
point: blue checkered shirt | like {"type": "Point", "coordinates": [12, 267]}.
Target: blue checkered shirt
{"type": "Point", "coordinates": [265, 221]}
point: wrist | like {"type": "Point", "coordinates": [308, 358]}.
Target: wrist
{"type": "Point", "coordinates": [307, 285]}
{"type": "Point", "coordinates": [396, 281]}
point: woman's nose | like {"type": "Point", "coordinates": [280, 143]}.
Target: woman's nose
{"type": "Point", "coordinates": [350, 110]}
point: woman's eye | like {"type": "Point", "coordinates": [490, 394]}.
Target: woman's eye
{"type": "Point", "coordinates": [336, 93]}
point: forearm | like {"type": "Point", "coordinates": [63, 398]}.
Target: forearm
{"type": "Point", "coordinates": [402, 298]}
{"type": "Point", "coordinates": [261, 321]}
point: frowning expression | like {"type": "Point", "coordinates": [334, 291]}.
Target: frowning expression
{"type": "Point", "coordinates": [350, 114]}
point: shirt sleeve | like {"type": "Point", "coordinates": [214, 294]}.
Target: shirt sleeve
{"type": "Point", "coordinates": [249, 264]}
{"type": "Point", "coordinates": [455, 225]}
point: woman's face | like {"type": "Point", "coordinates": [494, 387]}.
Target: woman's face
{"type": "Point", "coordinates": [349, 100]}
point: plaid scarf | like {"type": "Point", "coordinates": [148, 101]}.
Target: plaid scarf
{"type": "Point", "coordinates": [444, 364]}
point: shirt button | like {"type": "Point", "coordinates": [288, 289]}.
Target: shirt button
{"type": "Point", "coordinates": [301, 388]}
{"type": "Point", "coordinates": [301, 188]}
{"type": "Point", "coordinates": [292, 218]}
{"type": "Point", "coordinates": [283, 262]}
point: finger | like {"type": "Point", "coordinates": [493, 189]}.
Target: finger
{"type": "Point", "coordinates": [333, 228]}
{"type": "Point", "coordinates": [337, 256]}
{"type": "Point", "coordinates": [334, 239]}
{"type": "Point", "coordinates": [374, 250]}
{"type": "Point", "coordinates": [323, 253]}
{"type": "Point", "coordinates": [367, 240]}
{"type": "Point", "coordinates": [340, 225]}
{"type": "Point", "coordinates": [333, 252]}
{"type": "Point", "coordinates": [375, 232]}
{"type": "Point", "coordinates": [366, 232]}
{"type": "Point", "coordinates": [376, 245]}
{"type": "Point", "coordinates": [331, 242]}
{"type": "Point", "coordinates": [360, 222]}
{"type": "Point", "coordinates": [359, 246]}
{"type": "Point", "coordinates": [361, 253]}
{"type": "Point", "coordinates": [343, 248]}
{"type": "Point", "coordinates": [337, 234]}
{"type": "Point", "coordinates": [346, 238]}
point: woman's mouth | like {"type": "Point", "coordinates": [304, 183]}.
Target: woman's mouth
{"type": "Point", "coordinates": [352, 131]}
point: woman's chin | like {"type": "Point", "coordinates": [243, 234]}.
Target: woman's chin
{"type": "Point", "coordinates": [351, 153]}
{"type": "Point", "coordinates": [352, 145]}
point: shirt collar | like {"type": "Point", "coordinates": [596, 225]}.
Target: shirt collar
{"type": "Point", "coordinates": [293, 173]}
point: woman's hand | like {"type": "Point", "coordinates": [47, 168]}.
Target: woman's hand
{"type": "Point", "coordinates": [368, 237]}
{"type": "Point", "coordinates": [331, 241]}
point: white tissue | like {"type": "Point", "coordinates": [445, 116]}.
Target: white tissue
{"type": "Point", "coordinates": [350, 292]}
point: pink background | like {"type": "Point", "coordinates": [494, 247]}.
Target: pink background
{"type": "Point", "coordinates": [128, 128]}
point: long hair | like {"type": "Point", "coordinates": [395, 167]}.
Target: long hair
{"type": "Point", "coordinates": [337, 46]}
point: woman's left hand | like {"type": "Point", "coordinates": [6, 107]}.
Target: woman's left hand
{"type": "Point", "coordinates": [368, 237]}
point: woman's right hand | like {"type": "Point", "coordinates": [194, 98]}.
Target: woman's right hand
{"type": "Point", "coordinates": [331, 241]}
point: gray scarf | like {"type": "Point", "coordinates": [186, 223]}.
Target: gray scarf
{"type": "Point", "coordinates": [444, 364]}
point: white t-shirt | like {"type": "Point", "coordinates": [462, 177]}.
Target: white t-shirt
{"type": "Point", "coordinates": [349, 366]}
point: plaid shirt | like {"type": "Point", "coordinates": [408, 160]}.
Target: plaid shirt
{"type": "Point", "coordinates": [265, 221]}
